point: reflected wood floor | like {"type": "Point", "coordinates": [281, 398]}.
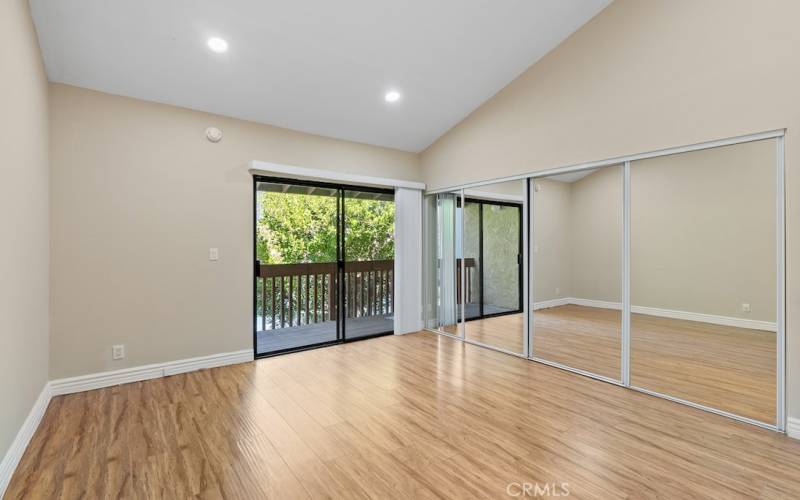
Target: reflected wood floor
{"type": "Point", "coordinates": [724, 367]}
{"type": "Point", "coordinates": [415, 416]}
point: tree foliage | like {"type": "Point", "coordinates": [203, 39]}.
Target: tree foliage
{"type": "Point", "coordinates": [302, 228]}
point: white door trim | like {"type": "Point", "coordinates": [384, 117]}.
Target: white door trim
{"type": "Point", "coordinates": [318, 174]}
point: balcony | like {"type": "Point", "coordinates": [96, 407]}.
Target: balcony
{"type": "Point", "coordinates": [296, 304]}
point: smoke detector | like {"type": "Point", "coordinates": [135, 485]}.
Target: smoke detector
{"type": "Point", "coordinates": [213, 134]}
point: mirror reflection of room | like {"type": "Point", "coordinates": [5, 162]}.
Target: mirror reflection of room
{"type": "Point", "coordinates": [576, 254]}
{"type": "Point", "coordinates": [442, 262]}
{"type": "Point", "coordinates": [492, 249]}
{"type": "Point", "coordinates": [703, 277]}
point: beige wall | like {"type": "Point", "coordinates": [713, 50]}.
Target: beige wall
{"type": "Point", "coordinates": [23, 219]}
{"type": "Point", "coordinates": [640, 76]}
{"type": "Point", "coordinates": [552, 240]}
{"type": "Point", "coordinates": [702, 232]}
{"type": "Point", "coordinates": [138, 197]}
{"type": "Point", "coordinates": [578, 237]}
{"type": "Point", "coordinates": [596, 232]}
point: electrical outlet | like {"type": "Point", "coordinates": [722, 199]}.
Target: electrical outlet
{"type": "Point", "coordinates": [213, 254]}
{"type": "Point", "coordinates": [118, 352]}
{"type": "Point", "coordinates": [746, 307]}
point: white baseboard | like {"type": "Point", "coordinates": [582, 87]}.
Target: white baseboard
{"type": "Point", "coordinates": [17, 449]}
{"type": "Point", "coordinates": [752, 324]}
{"type": "Point", "coordinates": [551, 303]}
{"type": "Point", "coordinates": [604, 304]}
{"type": "Point", "coordinates": [100, 380]}
{"type": "Point", "coordinates": [146, 372]}
{"type": "Point", "coordinates": [664, 313]}
{"type": "Point", "coordinates": [793, 427]}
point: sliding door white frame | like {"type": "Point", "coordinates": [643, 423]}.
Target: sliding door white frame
{"type": "Point", "coordinates": [780, 213]}
{"type": "Point", "coordinates": [527, 262]}
{"type": "Point", "coordinates": [461, 324]}
{"type": "Point", "coordinates": [625, 365]}
{"type": "Point", "coordinates": [616, 161]}
{"type": "Point", "coordinates": [780, 423]}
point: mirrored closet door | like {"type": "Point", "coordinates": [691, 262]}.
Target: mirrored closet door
{"type": "Point", "coordinates": [493, 251]}
{"type": "Point", "coordinates": [663, 272]}
{"type": "Point", "coordinates": [442, 262]}
{"type": "Point", "coordinates": [703, 273]}
{"type": "Point", "coordinates": [576, 284]}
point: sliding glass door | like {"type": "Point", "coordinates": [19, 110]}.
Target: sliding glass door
{"type": "Point", "coordinates": [324, 264]}
{"type": "Point", "coordinates": [368, 263]}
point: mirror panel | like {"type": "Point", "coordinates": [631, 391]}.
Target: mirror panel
{"type": "Point", "coordinates": [441, 214]}
{"type": "Point", "coordinates": [703, 277]}
{"type": "Point", "coordinates": [576, 252]}
{"type": "Point", "coordinates": [493, 239]}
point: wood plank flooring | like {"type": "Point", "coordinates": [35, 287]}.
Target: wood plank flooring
{"type": "Point", "coordinates": [414, 416]}
{"type": "Point", "coordinates": [724, 367]}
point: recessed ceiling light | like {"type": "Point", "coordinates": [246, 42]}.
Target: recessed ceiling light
{"type": "Point", "coordinates": [392, 96]}
{"type": "Point", "coordinates": [217, 45]}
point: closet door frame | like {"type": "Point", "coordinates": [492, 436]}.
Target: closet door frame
{"type": "Point", "coordinates": [625, 161]}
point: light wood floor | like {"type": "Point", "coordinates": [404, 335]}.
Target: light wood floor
{"type": "Point", "coordinates": [414, 416]}
{"type": "Point", "coordinates": [724, 367]}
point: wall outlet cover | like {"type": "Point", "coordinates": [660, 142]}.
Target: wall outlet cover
{"type": "Point", "coordinates": [118, 352]}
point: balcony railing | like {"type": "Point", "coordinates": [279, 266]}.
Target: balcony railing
{"type": "Point", "coordinates": [469, 264]}
{"type": "Point", "coordinates": [291, 295]}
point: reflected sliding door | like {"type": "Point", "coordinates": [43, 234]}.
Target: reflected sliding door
{"type": "Point", "coordinates": [492, 242]}
{"type": "Point", "coordinates": [442, 262]}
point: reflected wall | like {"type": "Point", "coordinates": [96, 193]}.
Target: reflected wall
{"type": "Point", "coordinates": [577, 270]}
{"type": "Point", "coordinates": [703, 277]}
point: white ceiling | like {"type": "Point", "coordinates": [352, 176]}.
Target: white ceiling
{"type": "Point", "coordinates": [318, 66]}
{"type": "Point", "coordinates": [571, 177]}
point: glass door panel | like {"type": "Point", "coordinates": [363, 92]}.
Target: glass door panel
{"type": "Point", "coordinates": [471, 246]}
{"type": "Point", "coordinates": [576, 251]}
{"type": "Point", "coordinates": [493, 257]}
{"type": "Point", "coordinates": [704, 277]}
{"type": "Point", "coordinates": [296, 270]}
{"type": "Point", "coordinates": [368, 263]}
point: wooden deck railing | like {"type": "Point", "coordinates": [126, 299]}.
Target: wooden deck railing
{"type": "Point", "coordinates": [469, 262]}
{"type": "Point", "coordinates": [290, 295]}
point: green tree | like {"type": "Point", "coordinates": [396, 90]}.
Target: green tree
{"type": "Point", "coordinates": [302, 228]}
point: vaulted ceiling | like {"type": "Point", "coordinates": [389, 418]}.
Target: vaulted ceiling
{"type": "Point", "coordinates": [316, 66]}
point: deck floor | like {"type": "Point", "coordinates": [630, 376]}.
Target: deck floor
{"type": "Point", "coordinates": [318, 333]}
{"type": "Point", "coordinates": [472, 310]}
